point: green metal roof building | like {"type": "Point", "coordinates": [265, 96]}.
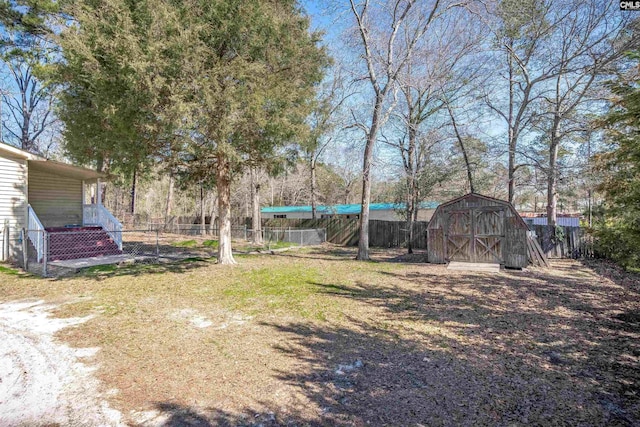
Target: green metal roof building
{"type": "Point", "coordinates": [377, 211]}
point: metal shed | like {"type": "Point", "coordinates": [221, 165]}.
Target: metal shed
{"type": "Point", "coordinates": [477, 228]}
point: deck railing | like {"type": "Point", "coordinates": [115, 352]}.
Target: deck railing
{"type": "Point", "coordinates": [36, 233]}
{"type": "Point", "coordinates": [99, 215]}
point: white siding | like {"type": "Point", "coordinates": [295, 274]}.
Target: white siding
{"type": "Point", "coordinates": [562, 221]}
{"type": "Point", "coordinates": [57, 200]}
{"type": "Point", "coordinates": [13, 200]}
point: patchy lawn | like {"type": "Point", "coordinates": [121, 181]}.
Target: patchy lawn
{"type": "Point", "coordinates": [312, 337]}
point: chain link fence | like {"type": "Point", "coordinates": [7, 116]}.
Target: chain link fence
{"type": "Point", "coordinates": [237, 232]}
{"type": "Point", "coordinates": [302, 237]}
{"type": "Point", "coordinates": [10, 241]}
{"type": "Point", "coordinates": [59, 251]}
{"type": "Point", "coordinates": [55, 251]}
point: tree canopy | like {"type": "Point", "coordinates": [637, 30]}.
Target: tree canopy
{"type": "Point", "coordinates": [205, 85]}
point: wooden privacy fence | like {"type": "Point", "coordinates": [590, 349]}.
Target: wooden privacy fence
{"type": "Point", "coordinates": [564, 242]}
{"type": "Point", "coordinates": [386, 234]}
{"type": "Point", "coordinates": [556, 242]}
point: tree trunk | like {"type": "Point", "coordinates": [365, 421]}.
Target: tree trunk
{"type": "Point", "coordinates": [411, 179]}
{"type": "Point", "coordinates": [411, 207]}
{"type": "Point", "coordinates": [312, 165]}
{"type": "Point", "coordinates": [26, 145]}
{"type": "Point", "coordinates": [212, 215]}
{"type": "Point", "coordinates": [552, 198]}
{"type": "Point", "coordinates": [363, 242]}
{"type": "Point", "coordinates": [203, 221]}
{"type": "Point", "coordinates": [590, 209]}
{"type": "Point", "coordinates": [464, 152]}
{"type": "Point", "coordinates": [511, 133]}
{"type": "Point", "coordinates": [133, 193]}
{"type": "Point", "coordinates": [167, 210]}
{"type": "Point", "coordinates": [256, 218]}
{"type": "Point", "coordinates": [223, 172]}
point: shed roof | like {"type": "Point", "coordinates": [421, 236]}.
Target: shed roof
{"type": "Point", "coordinates": [488, 198]}
{"type": "Point", "coordinates": [350, 209]}
{"type": "Point", "coordinates": [47, 165]}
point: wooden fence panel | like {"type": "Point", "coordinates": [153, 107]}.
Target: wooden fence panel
{"type": "Point", "coordinates": [571, 242]}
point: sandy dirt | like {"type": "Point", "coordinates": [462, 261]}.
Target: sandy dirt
{"type": "Point", "coordinates": [44, 382]}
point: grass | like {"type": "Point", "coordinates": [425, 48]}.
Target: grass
{"type": "Point", "coordinates": [185, 244]}
{"type": "Point", "coordinates": [10, 271]}
{"type": "Point", "coordinates": [240, 246]}
{"type": "Point", "coordinates": [267, 291]}
{"type": "Point", "coordinates": [281, 325]}
{"type": "Point", "coordinates": [213, 244]}
{"type": "Point", "coordinates": [279, 245]}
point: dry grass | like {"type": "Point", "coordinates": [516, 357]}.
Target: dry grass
{"type": "Point", "coordinates": [312, 337]}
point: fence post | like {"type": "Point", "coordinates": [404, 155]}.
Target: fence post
{"type": "Point", "coordinates": [25, 256]}
{"type": "Point", "coordinates": [245, 232]}
{"type": "Point", "coordinates": [157, 247]}
{"type": "Point", "coordinates": [45, 251]}
{"type": "Point", "coordinates": [4, 239]}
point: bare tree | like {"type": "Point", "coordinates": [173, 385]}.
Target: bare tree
{"type": "Point", "coordinates": [583, 48]}
{"type": "Point", "coordinates": [324, 122]}
{"type": "Point", "coordinates": [541, 43]}
{"type": "Point", "coordinates": [520, 28]}
{"type": "Point", "coordinates": [388, 33]}
{"type": "Point", "coordinates": [29, 100]}
{"type": "Point", "coordinates": [439, 69]}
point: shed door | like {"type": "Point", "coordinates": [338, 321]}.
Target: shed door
{"type": "Point", "coordinates": [488, 233]}
{"type": "Point", "coordinates": [459, 236]}
{"type": "Point", "coordinates": [475, 235]}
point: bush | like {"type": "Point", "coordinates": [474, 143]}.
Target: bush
{"type": "Point", "coordinates": [619, 242]}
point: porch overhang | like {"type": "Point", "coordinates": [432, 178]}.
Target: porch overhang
{"type": "Point", "coordinates": [65, 169]}
{"type": "Point", "coordinates": [51, 166]}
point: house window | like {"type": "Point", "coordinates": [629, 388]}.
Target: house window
{"type": "Point", "coordinates": [326, 216]}
{"type": "Point", "coordinates": [279, 216]}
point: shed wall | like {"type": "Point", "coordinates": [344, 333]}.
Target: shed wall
{"type": "Point", "coordinates": [513, 246]}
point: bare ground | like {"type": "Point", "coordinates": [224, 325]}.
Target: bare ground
{"type": "Point", "coordinates": [43, 382]}
{"type": "Point", "coordinates": [314, 338]}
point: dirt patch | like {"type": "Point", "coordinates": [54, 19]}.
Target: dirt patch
{"type": "Point", "coordinates": [43, 382]}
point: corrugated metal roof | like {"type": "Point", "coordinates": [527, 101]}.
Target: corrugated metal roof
{"type": "Point", "coordinates": [351, 209]}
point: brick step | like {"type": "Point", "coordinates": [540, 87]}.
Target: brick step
{"type": "Point", "coordinates": [60, 230]}
{"type": "Point", "coordinates": [83, 254]}
{"type": "Point", "coordinates": [71, 242]}
{"type": "Point", "coordinates": [80, 237]}
{"type": "Point", "coordinates": [84, 244]}
{"type": "Point", "coordinates": [71, 236]}
{"type": "Point", "coordinates": [82, 250]}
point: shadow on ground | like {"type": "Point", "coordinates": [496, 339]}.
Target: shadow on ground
{"type": "Point", "coordinates": [516, 348]}
{"type": "Point", "coordinates": [102, 272]}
